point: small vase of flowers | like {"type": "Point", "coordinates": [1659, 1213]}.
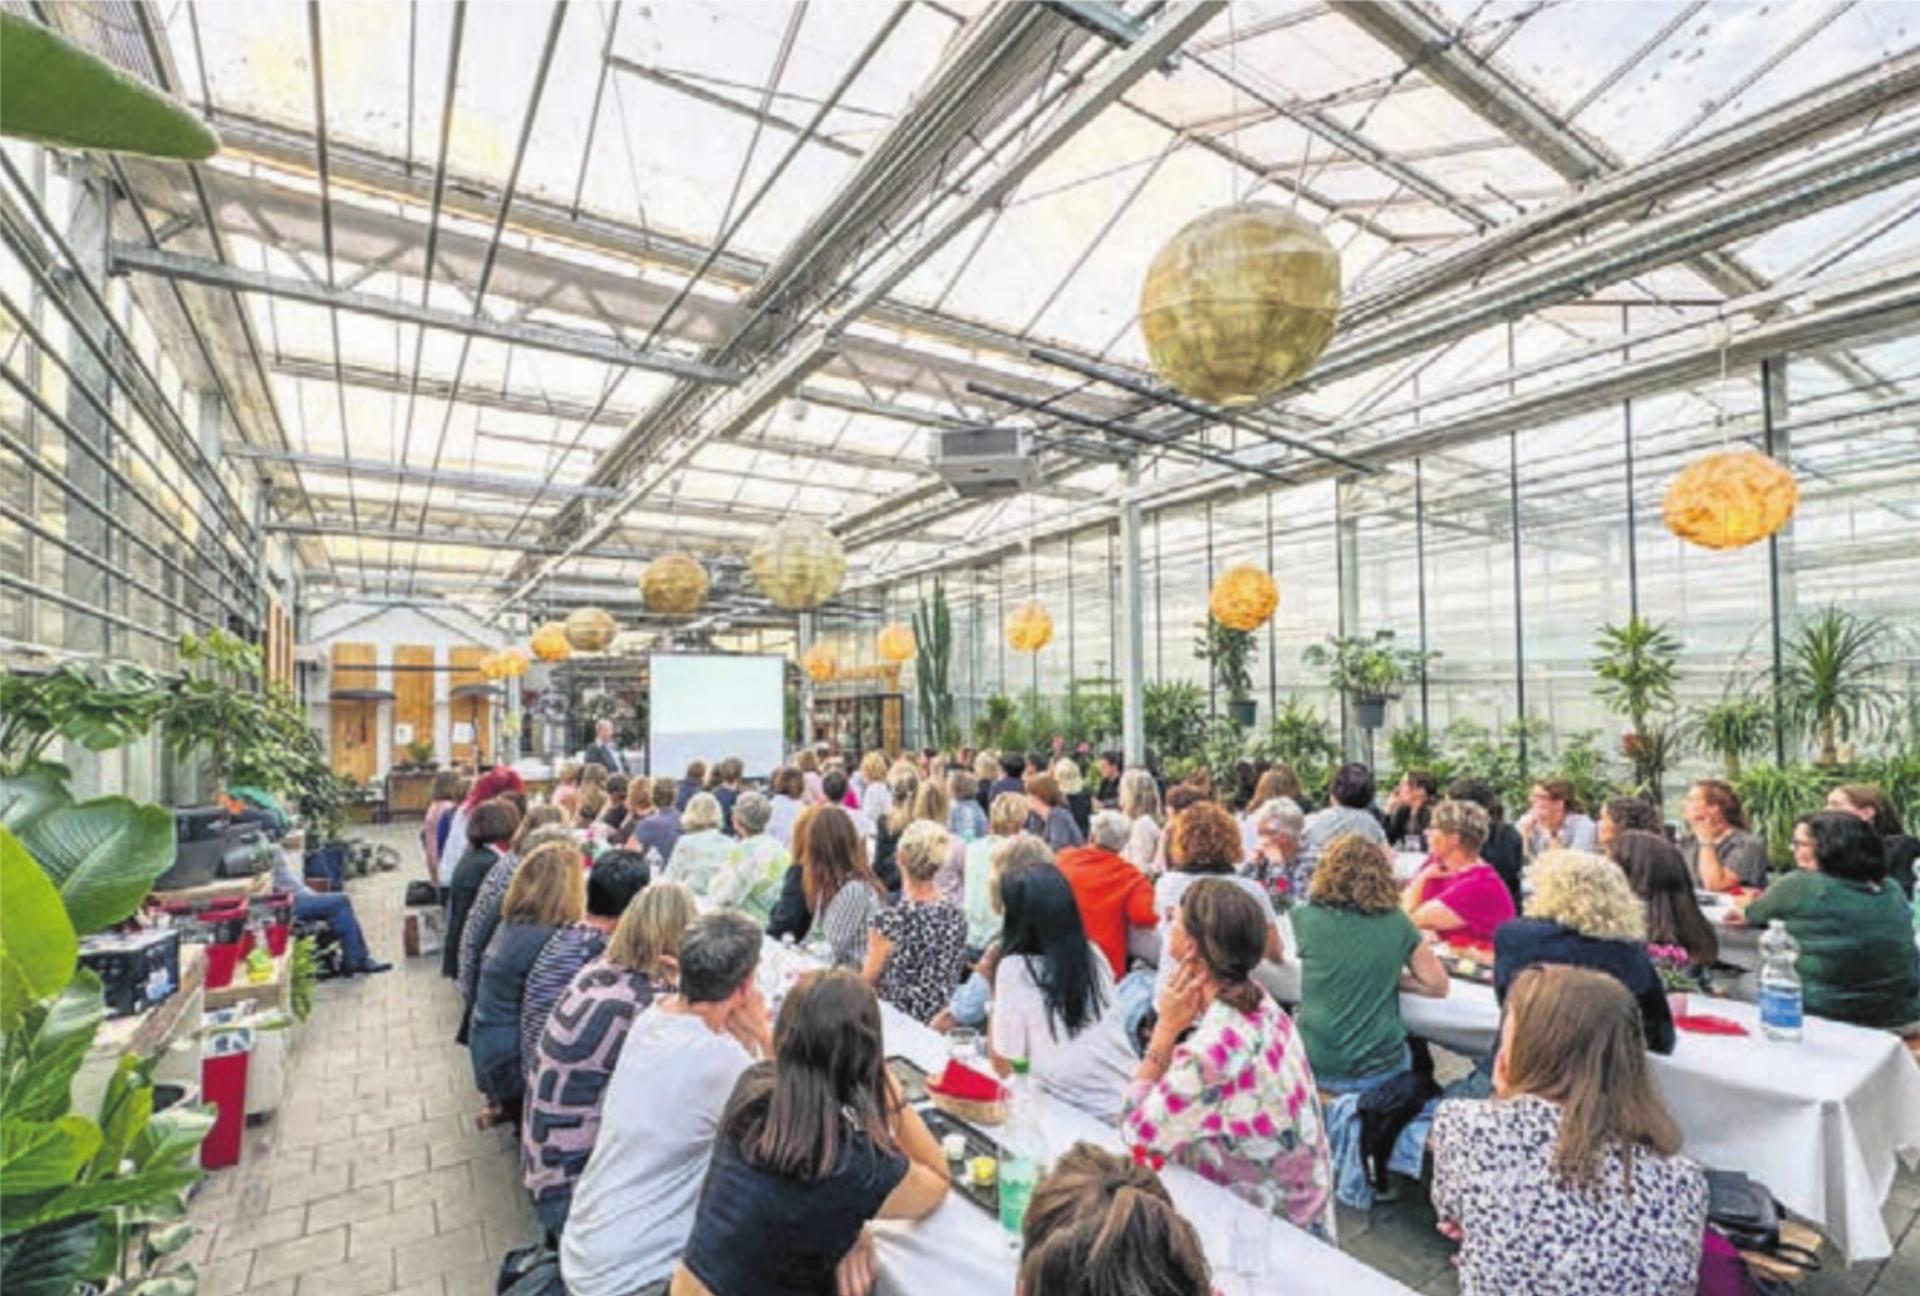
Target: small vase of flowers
{"type": "Point", "coordinates": [1677, 977]}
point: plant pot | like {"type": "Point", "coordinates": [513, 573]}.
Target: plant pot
{"type": "Point", "coordinates": [1371, 712]}
{"type": "Point", "coordinates": [1677, 1003]}
{"type": "Point", "coordinates": [1243, 712]}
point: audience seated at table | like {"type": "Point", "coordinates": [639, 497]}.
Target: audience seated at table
{"type": "Point", "coordinates": [1234, 1100]}
{"type": "Point", "coordinates": [657, 828]}
{"type": "Point", "coordinates": [566, 786]}
{"type": "Point", "coordinates": [841, 892]}
{"type": "Point", "coordinates": [588, 809]}
{"type": "Point", "coordinates": [1502, 849]}
{"type": "Point", "coordinates": [1011, 776]}
{"type": "Point", "coordinates": [449, 789]}
{"type": "Point", "coordinates": [1113, 895]}
{"type": "Point", "coordinates": [1358, 950]}
{"type": "Point", "coordinates": [1554, 820]}
{"type": "Point", "coordinates": [1273, 859]}
{"type": "Point", "coordinates": [1409, 808]}
{"type": "Point", "coordinates": [1140, 803]}
{"type": "Point", "coordinates": [1724, 854]}
{"type": "Point", "coordinates": [1569, 1181]}
{"type": "Point", "coordinates": [1583, 913]}
{"type": "Point", "coordinates": [1349, 810]}
{"type": "Point", "coordinates": [1857, 958]}
{"type": "Point", "coordinates": [1006, 818]}
{"type": "Point", "coordinates": [1047, 815]}
{"type": "Point", "coordinates": [548, 892]}
{"type": "Point", "coordinates": [499, 781]}
{"type": "Point", "coordinates": [1456, 894]}
{"type": "Point", "coordinates": [966, 817]}
{"type": "Point", "coordinates": [1054, 1005]}
{"type": "Point", "coordinates": [726, 790]}
{"type": "Point", "coordinates": [931, 805]}
{"type": "Point", "coordinates": [537, 827]}
{"type": "Point", "coordinates": [903, 784]}
{"type": "Point", "coordinates": [1278, 782]}
{"type": "Point", "coordinates": [1099, 1225]}
{"type": "Point", "coordinates": [691, 785]}
{"type": "Point", "coordinates": [1625, 814]}
{"type": "Point", "coordinates": [756, 861]}
{"type": "Point", "coordinates": [489, 829]}
{"type": "Point", "coordinates": [613, 880]}
{"type": "Point", "coordinates": [917, 948]}
{"type": "Point", "coordinates": [701, 850]}
{"type": "Point", "coordinates": [1073, 789]}
{"type": "Point", "coordinates": [572, 1061]}
{"type": "Point", "coordinates": [1867, 802]}
{"type": "Point", "coordinates": [786, 786]}
{"type": "Point", "coordinates": [812, 1146]}
{"type": "Point", "coordinates": [613, 820]}
{"type": "Point", "coordinates": [1659, 875]}
{"type": "Point", "coordinates": [975, 996]}
{"type": "Point", "coordinates": [870, 782]}
{"type": "Point", "coordinates": [633, 1205]}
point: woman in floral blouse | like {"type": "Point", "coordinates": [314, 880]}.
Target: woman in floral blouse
{"type": "Point", "coordinates": [1235, 1099]}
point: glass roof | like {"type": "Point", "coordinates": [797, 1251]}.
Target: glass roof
{"type": "Point", "coordinates": [697, 188]}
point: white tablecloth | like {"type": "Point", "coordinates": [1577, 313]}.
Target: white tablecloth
{"type": "Point", "coordinates": [960, 1249]}
{"type": "Point", "coordinates": [1821, 1122]}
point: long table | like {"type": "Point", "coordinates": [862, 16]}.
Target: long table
{"type": "Point", "coordinates": [959, 1249]}
{"type": "Point", "coordinates": [1823, 1122]}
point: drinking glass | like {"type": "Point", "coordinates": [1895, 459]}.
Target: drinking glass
{"type": "Point", "coordinates": [963, 1046]}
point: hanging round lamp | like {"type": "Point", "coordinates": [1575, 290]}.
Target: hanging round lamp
{"type": "Point", "coordinates": [674, 584]}
{"type": "Point", "coordinates": [1730, 499]}
{"type": "Point", "coordinates": [490, 666]}
{"type": "Point", "coordinates": [820, 663]}
{"type": "Point", "coordinates": [1240, 303]}
{"type": "Point", "coordinates": [511, 663]}
{"type": "Point", "coordinates": [1029, 627]}
{"type": "Point", "coordinates": [1243, 598]}
{"type": "Point", "coordinates": [798, 563]}
{"type": "Point", "coordinates": [895, 641]}
{"type": "Point", "coordinates": [549, 642]}
{"type": "Point", "coordinates": [591, 629]}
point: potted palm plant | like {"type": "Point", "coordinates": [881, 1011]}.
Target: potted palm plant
{"type": "Point", "coordinates": [1638, 664]}
{"type": "Point", "coordinates": [1831, 682]}
{"type": "Point", "coordinates": [1229, 654]}
{"type": "Point", "coordinates": [1368, 670]}
{"type": "Point", "coordinates": [1732, 728]}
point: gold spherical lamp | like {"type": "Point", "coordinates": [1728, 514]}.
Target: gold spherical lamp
{"type": "Point", "coordinates": [490, 666]}
{"type": "Point", "coordinates": [549, 642]}
{"type": "Point", "coordinates": [1240, 303]}
{"type": "Point", "coordinates": [511, 663]}
{"type": "Point", "coordinates": [674, 584]}
{"type": "Point", "coordinates": [1243, 598]}
{"type": "Point", "coordinates": [1029, 627]}
{"type": "Point", "coordinates": [895, 642]}
{"type": "Point", "coordinates": [1730, 499]}
{"type": "Point", "coordinates": [591, 629]}
{"type": "Point", "coordinates": [798, 564]}
{"type": "Point", "coordinates": [820, 663]}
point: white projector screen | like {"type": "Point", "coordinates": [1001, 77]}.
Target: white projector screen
{"type": "Point", "coordinates": [708, 707]}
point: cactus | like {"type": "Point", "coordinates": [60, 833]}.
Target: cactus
{"type": "Point", "coordinates": [933, 637]}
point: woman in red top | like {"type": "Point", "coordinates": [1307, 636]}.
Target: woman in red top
{"type": "Point", "coordinates": [1457, 895]}
{"type": "Point", "coordinates": [1112, 894]}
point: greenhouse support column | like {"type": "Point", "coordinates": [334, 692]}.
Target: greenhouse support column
{"type": "Point", "coordinates": [1131, 648]}
{"type": "Point", "coordinates": [1346, 562]}
{"type": "Point", "coordinates": [804, 632]}
{"type": "Point", "coordinates": [86, 580]}
{"type": "Point", "coordinates": [1773, 420]}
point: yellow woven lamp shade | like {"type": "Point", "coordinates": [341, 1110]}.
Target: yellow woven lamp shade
{"type": "Point", "coordinates": [895, 642]}
{"type": "Point", "coordinates": [1240, 303]}
{"type": "Point", "coordinates": [1243, 598]}
{"type": "Point", "coordinates": [511, 662]}
{"type": "Point", "coordinates": [820, 663]}
{"type": "Point", "coordinates": [1729, 499]}
{"type": "Point", "coordinates": [591, 629]}
{"type": "Point", "coordinates": [549, 642]}
{"type": "Point", "coordinates": [490, 666]}
{"type": "Point", "coordinates": [1029, 627]}
{"type": "Point", "coordinates": [798, 564]}
{"type": "Point", "coordinates": [674, 584]}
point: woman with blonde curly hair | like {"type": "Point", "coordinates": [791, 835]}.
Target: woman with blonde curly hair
{"type": "Point", "coordinates": [1358, 951]}
{"type": "Point", "coordinates": [1204, 841]}
{"type": "Point", "coordinates": [1584, 913]}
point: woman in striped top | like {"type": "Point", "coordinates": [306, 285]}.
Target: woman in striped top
{"type": "Point", "coordinates": [614, 880]}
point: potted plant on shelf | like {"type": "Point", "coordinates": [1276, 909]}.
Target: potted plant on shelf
{"type": "Point", "coordinates": [1638, 665]}
{"type": "Point", "coordinates": [1368, 671]}
{"type": "Point", "coordinates": [420, 753]}
{"type": "Point", "coordinates": [1831, 682]}
{"type": "Point", "coordinates": [1229, 655]}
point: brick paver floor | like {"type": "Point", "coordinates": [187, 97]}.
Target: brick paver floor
{"type": "Point", "coordinates": [371, 1178]}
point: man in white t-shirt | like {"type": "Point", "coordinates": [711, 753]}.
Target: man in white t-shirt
{"type": "Point", "coordinates": [633, 1207]}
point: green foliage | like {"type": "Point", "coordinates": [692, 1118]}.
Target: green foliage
{"type": "Point", "coordinates": [102, 856]}
{"type": "Point", "coordinates": [1176, 721]}
{"type": "Point", "coordinates": [1775, 795]}
{"type": "Point", "coordinates": [1651, 750]}
{"type": "Point", "coordinates": [303, 973]}
{"type": "Point", "coordinates": [1831, 685]}
{"type": "Point", "coordinates": [99, 705]}
{"type": "Point", "coordinates": [1730, 729]}
{"type": "Point", "coordinates": [1229, 656]}
{"type": "Point", "coordinates": [38, 947]}
{"type": "Point", "coordinates": [1474, 751]}
{"type": "Point", "coordinates": [215, 710]}
{"type": "Point", "coordinates": [990, 727]}
{"type": "Point", "coordinates": [1222, 744]}
{"type": "Point", "coordinates": [1300, 738]}
{"type": "Point", "coordinates": [1412, 747]}
{"type": "Point", "coordinates": [55, 90]}
{"type": "Point", "coordinates": [1094, 714]}
{"type": "Point", "coordinates": [1583, 764]}
{"type": "Point", "coordinates": [933, 650]}
{"type": "Point", "coordinates": [1638, 665]}
{"type": "Point", "coordinates": [1367, 667]}
{"type": "Point", "coordinates": [1898, 776]}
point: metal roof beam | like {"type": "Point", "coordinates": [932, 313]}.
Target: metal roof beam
{"type": "Point", "coordinates": [172, 265]}
{"type": "Point", "coordinates": [465, 538]}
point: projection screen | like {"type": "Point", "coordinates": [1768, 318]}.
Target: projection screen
{"type": "Point", "coordinates": [710, 706]}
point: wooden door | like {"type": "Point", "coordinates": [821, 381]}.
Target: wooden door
{"type": "Point", "coordinates": [355, 725]}
{"type": "Point", "coordinates": [477, 712]}
{"type": "Point", "coordinates": [413, 689]}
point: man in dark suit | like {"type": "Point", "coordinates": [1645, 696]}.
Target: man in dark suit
{"type": "Point", "coordinates": [602, 751]}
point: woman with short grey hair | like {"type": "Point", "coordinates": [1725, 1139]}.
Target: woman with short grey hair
{"type": "Point", "coordinates": [702, 850]}
{"type": "Point", "coordinates": [756, 862]}
{"type": "Point", "coordinates": [1140, 803]}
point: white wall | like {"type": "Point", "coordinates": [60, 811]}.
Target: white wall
{"type": "Point", "coordinates": [384, 626]}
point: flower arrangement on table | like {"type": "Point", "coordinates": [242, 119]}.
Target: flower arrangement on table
{"type": "Point", "coordinates": [1674, 967]}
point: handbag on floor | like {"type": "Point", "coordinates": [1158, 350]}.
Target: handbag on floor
{"type": "Point", "coordinates": [530, 1271]}
{"type": "Point", "coordinates": [1742, 1210]}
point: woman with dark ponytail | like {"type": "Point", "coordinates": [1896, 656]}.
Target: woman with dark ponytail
{"type": "Point", "coordinates": [1224, 1087]}
{"type": "Point", "coordinates": [1099, 1225]}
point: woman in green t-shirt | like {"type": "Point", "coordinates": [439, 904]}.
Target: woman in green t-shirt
{"type": "Point", "coordinates": [1857, 958]}
{"type": "Point", "coordinates": [1358, 950]}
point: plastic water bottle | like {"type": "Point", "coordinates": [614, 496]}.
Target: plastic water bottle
{"type": "Point", "coordinates": [1025, 1152]}
{"type": "Point", "coordinates": [1780, 1013]}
